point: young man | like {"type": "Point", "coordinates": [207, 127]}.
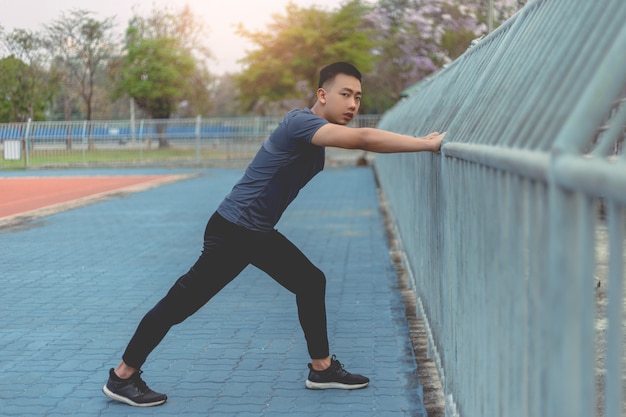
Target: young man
{"type": "Point", "coordinates": [241, 232]}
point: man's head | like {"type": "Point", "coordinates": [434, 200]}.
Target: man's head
{"type": "Point", "coordinates": [328, 73]}
{"type": "Point", "coordinates": [339, 93]}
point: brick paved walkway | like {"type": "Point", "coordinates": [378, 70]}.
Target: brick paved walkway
{"type": "Point", "coordinates": [75, 284]}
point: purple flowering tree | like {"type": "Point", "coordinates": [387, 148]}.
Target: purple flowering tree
{"type": "Point", "coordinates": [416, 37]}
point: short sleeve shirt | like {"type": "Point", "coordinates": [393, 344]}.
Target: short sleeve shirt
{"type": "Point", "coordinates": [284, 164]}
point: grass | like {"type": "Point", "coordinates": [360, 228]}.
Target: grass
{"type": "Point", "coordinates": [61, 157]}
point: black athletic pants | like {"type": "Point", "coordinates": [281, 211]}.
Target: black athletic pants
{"type": "Point", "coordinates": [227, 250]}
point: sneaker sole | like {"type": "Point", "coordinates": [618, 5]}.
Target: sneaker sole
{"type": "Point", "coordinates": [128, 401]}
{"type": "Point", "coordinates": [333, 385]}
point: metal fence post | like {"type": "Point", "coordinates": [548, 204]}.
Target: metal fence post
{"type": "Point", "coordinates": [84, 139]}
{"type": "Point", "coordinates": [198, 122]}
{"type": "Point", "coordinates": [27, 142]}
{"type": "Point", "coordinates": [141, 141]}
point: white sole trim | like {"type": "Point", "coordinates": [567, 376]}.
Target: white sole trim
{"type": "Point", "coordinates": [333, 385]}
{"type": "Point", "coordinates": [128, 401]}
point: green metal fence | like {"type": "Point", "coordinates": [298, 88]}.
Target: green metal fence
{"type": "Point", "coordinates": [514, 234]}
{"type": "Point", "coordinates": [211, 141]}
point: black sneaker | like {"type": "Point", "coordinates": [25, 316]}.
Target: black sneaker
{"type": "Point", "coordinates": [335, 377]}
{"type": "Point", "coordinates": [132, 391]}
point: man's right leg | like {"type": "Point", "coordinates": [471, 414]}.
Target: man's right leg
{"type": "Point", "coordinates": [219, 264]}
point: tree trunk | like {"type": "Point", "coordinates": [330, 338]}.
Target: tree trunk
{"type": "Point", "coordinates": [161, 131]}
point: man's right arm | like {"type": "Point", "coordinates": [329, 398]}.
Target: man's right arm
{"type": "Point", "coordinates": [374, 140]}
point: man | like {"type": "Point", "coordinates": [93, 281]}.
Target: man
{"type": "Point", "coordinates": [241, 232]}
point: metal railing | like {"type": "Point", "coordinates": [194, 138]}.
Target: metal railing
{"type": "Point", "coordinates": [211, 141]}
{"type": "Point", "coordinates": [514, 234]}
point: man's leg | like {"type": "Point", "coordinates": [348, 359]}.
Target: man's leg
{"type": "Point", "coordinates": [288, 266]}
{"type": "Point", "coordinates": [221, 261]}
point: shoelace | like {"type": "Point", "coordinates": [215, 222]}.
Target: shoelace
{"type": "Point", "coordinates": [141, 385]}
{"type": "Point", "coordinates": [338, 365]}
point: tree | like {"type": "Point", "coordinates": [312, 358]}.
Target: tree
{"type": "Point", "coordinates": [293, 48]}
{"type": "Point", "coordinates": [417, 37]}
{"type": "Point", "coordinates": [164, 64]}
{"type": "Point", "coordinates": [197, 95]}
{"type": "Point", "coordinates": [224, 97]}
{"type": "Point", "coordinates": [81, 46]}
{"type": "Point", "coordinates": [14, 106]}
{"type": "Point", "coordinates": [25, 85]}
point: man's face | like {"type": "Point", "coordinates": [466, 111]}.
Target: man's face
{"type": "Point", "coordinates": [343, 99]}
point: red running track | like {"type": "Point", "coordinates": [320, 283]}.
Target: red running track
{"type": "Point", "coordinates": [21, 196]}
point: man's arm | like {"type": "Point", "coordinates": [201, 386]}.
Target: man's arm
{"type": "Point", "coordinates": [374, 140]}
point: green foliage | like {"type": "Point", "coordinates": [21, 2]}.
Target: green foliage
{"type": "Point", "coordinates": [153, 74]}
{"type": "Point", "coordinates": [295, 46]}
{"type": "Point", "coordinates": [159, 65]}
{"type": "Point", "coordinates": [163, 62]}
{"type": "Point", "coordinates": [455, 43]}
{"type": "Point", "coordinates": [25, 86]}
{"type": "Point", "coordinates": [13, 106]}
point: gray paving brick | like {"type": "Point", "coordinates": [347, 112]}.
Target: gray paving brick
{"type": "Point", "coordinates": [75, 285]}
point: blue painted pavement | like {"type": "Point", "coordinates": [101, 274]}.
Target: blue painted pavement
{"type": "Point", "coordinates": [75, 285]}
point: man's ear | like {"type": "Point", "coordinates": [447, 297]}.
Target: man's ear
{"type": "Point", "coordinates": [321, 95]}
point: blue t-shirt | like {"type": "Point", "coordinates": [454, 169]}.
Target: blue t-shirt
{"type": "Point", "coordinates": [285, 163]}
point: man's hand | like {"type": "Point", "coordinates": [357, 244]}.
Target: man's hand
{"type": "Point", "coordinates": [434, 140]}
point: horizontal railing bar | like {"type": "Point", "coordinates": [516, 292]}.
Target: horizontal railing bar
{"type": "Point", "coordinates": [526, 163]}
{"type": "Point", "coordinates": [592, 176]}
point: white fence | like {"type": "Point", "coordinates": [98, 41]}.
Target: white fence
{"type": "Point", "coordinates": [230, 141]}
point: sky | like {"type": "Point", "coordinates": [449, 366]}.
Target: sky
{"type": "Point", "coordinates": [219, 16]}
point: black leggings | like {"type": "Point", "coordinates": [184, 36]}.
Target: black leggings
{"type": "Point", "coordinates": [227, 250]}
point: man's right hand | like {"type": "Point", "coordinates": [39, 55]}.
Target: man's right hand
{"type": "Point", "coordinates": [435, 139]}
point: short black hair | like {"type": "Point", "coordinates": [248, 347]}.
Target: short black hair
{"type": "Point", "coordinates": [330, 71]}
